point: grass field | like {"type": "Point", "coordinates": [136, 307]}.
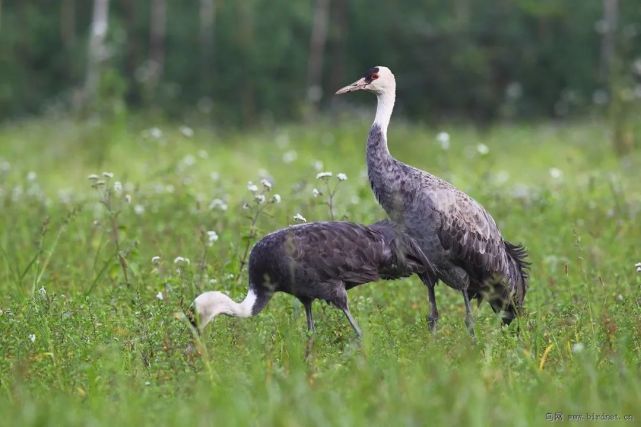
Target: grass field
{"type": "Point", "coordinates": [91, 330]}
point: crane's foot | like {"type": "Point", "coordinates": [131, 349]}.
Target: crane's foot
{"type": "Point", "coordinates": [432, 321]}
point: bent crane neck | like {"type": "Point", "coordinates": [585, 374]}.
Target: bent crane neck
{"type": "Point", "coordinates": [211, 304]}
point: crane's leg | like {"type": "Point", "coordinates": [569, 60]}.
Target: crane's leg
{"type": "Point", "coordinates": [432, 318]}
{"type": "Point", "coordinates": [469, 319]}
{"type": "Point", "coordinates": [352, 321]}
{"type": "Point", "coordinates": [307, 303]}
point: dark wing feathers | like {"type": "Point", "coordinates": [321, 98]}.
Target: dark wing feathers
{"type": "Point", "coordinates": [342, 251]}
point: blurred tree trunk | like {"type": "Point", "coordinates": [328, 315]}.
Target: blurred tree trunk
{"type": "Point", "coordinates": [132, 55]}
{"type": "Point", "coordinates": [336, 38]}
{"type": "Point", "coordinates": [608, 42]}
{"type": "Point", "coordinates": [0, 14]}
{"type": "Point", "coordinates": [97, 50]}
{"type": "Point", "coordinates": [158, 26]}
{"type": "Point", "coordinates": [207, 26]}
{"type": "Point", "coordinates": [611, 75]}
{"type": "Point", "coordinates": [67, 22]}
{"type": "Point", "coordinates": [246, 39]}
{"type": "Point", "coordinates": [317, 52]}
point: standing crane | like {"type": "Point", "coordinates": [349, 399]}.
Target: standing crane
{"type": "Point", "coordinates": [320, 260]}
{"type": "Point", "coordinates": [454, 231]}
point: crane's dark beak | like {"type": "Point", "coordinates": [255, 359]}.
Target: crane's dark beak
{"type": "Point", "coordinates": [360, 84]}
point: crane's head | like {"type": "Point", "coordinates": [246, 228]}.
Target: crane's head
{"type": "Point", "coordinates": [377, 79]}
{"type": "Point", "coordinates": [207, 306]}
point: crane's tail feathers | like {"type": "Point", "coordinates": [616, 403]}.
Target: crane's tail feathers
{"type": "Point", "coordinates": [518, 272]}
{"type": "Point", "coordinates": [519, 255]}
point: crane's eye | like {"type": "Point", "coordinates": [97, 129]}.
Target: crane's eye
{"type": "Point", "coordinates": [373, 76]}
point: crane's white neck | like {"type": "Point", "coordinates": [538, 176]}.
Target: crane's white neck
{"type": "Point", "coordinates": [210, 304]}
{"type": "Point", "coordinates": [384, 108]}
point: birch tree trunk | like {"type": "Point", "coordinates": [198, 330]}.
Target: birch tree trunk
{"type": "Point", "coordinates": [317, 52]}
{"type": "Point", "coordinates": [97, 50]}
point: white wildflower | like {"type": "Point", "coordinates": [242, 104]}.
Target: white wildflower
{"type": "Point", "coordinates": [202, 154]}
{"type": "Point", "coordinates": [186, 131]}
{"type": "Point", "coordinates": [315, 192]}
{"type": "Point", "coordinates": [266, 184]}
{"type": "Point", "coordinates": [318, 165]}
{"type": "Point", "coordinates": [578, 347]}
{"type": "Point", "coordinates": [443, 139]}
{"type": "Point", "coordinates": [637, 265]}
{"type": "Point", "coordinates": [276, 198]}
{"type": "Point", "coordinates": [482, 149]}
{"type": "Point", "coordinates": [181, 260]}
{"type": "Point", "coordinates": [31, 176]}
{"type": "Point", "coordinates": [501, 177]}
{"type": "Point", "coordinates": [118, 187]}
{"type": "Point", "coordinates": [128, 198]}
{"type": "Point", "coordinates": [155, 260]}
{"type": "Point", "coordinates": [32, 337]}
{"type": "Point", "coordinates": [322, 175]}
{"type": "Point", "coordinates": [155, 133]}
{"type": "Point", "coordinates": [299, 218]}
{"type": "Point", "coordinates": [108, 175]}
{"type": "Point", "coordinates": [215, 176]}
{"type": "Point", "coordinates": [556, 173]}
{"type": "Point", "coordinates": [341, 177]}
{"type": "Point", "coordinates": [290, 156]}
{"type": "Point", "coordinates": [259, 198]}
{"type": "Point", "coordinates": [212, 236]}
{"type": "Point", "coordinates": [188, 160]}
{"type": "Point", "coordinates": [252, 187]}
{"type": "Point", "coordinates": [160, 296]}
{"type": "Point", "coordinates": [139, 209]}
{"type": "Point", "coordinates": [42, 291]}
{"type": "Point", "coordinates": [218, 204]}
{"type": "Point", "coordinates": [93, 177]}
{"type": "Point", "coordinates": [620, 298]}
{"type": "Point", "coordinates": [5, 166]}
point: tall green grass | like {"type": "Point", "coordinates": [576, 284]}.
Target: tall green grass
{"type": "Point", "coordinates": [86, 340]}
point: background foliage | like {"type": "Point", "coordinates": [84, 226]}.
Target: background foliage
{"type": "Point", "coordinates": [470, 58]}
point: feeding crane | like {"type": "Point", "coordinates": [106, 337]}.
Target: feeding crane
{"type": "Point", "coordinates": [320, 260]}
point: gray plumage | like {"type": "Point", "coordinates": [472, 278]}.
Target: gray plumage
{"type": "Point", "coordinates": [323, 260]}
{"type": "Point", "coordinates": [460, 239]}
